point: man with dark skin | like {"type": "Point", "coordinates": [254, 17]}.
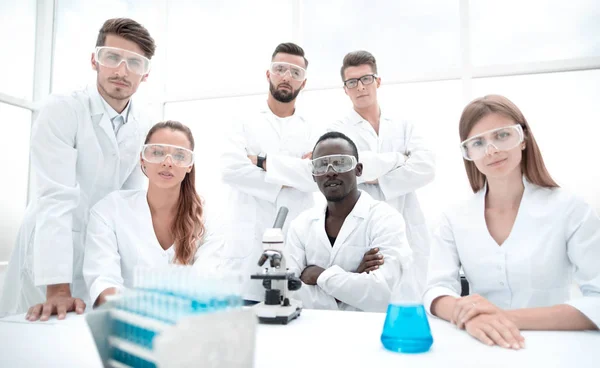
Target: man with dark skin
{"type": "Point", "coordinates": [358, 262]}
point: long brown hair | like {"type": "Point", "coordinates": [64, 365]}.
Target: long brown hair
{"type": "Point", "coordinates": [532, 163]}
{"type": "Point", "coordinates": [188, 227]}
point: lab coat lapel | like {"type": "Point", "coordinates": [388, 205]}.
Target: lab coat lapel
{"type": "Point", "coordinates": [355, 217]}
{"type": "Point", "coordinates": [322, 234]}
{"type": "Point", "coordinates": [270, 117]}
{"type": "Point", "coordinates": [100, 117]}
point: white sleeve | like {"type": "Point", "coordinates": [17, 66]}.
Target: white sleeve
{"type": "Point", "coordinates": [375, 165]}
{"type": "Point", "coordinates": [371, 292]}
{"type": "Point", "coordinates": [54, 164]}
{"type": "Point", "coordinates": [102, 261]}
{"type": "Point", "coordinates": [443, 276]}
{"type": "Point", "coordinates": [209, 253]}
{"type": "Point", "coordinates": [415, 168]}
{"type": "Point", "coordinates": [239, 172]}
{"type": "Point", "coordinates": [312, 296]}
{"type": "Point", "coordinates": [583, 248]}
{"type": "Point", "coordinates": [290, 171]}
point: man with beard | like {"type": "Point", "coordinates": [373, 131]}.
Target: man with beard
{"type": "Point", "coordinates": [266, 164]}
{"type": "Point", "coordinates": [350, 254]}
{"type": "Point", "coordinates": [83, 146]}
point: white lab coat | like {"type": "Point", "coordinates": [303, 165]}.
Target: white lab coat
{"type": "Point", "coordinates": [370, 224]}
{"type": "Point", "coordinates": [402, 163]}
{"type": "Point", "coordinates": [121, 237]}
{"type": "Point", "coordinates": [76, 160]}
{"type": "Point", "coordinates": [256, 195]}
{"type": "Point", "coordinates": [554, 241]}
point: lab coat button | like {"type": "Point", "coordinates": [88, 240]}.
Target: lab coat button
{"type": "Point", "coordinates": [501, 283]}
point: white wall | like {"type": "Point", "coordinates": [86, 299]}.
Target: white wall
{"type": "Point", "coordinates": [211, 60]}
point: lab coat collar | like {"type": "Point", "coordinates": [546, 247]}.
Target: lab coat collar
{"type": "Point", "coordinates": [355, 118]}
{"type": "Point", "coordinates": [98, 108]}
{"type": "Point", "coordinates": [267, 111]}
{"type": "Point", "coordinates": [361, 208]}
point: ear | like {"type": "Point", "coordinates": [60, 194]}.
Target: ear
{"type": "Point", "coordinates": [145, 77]}
{"type": "Point", "coordinates": [378, 81]}
{"type": "Point", "coordinates": [345, 90]}
{"type": "Point", "coordinates": [268, 76]}
{"type": "Point", "coordinates": [303, 84]}
{"type": "Point", "coordinates": [314, 178]}
{"type": "Point", "coordinates": [358, 169]}
{"type": "Point", "coordinates": [93, 61]}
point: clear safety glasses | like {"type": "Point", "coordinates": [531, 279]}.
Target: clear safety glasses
{"type": "Point", "coordinates": [365, 80]}
{"type": "Point", "coordinates": [280, 68]}
{"type": "Point", "coordinates": [112, 57]}
{"type": "Point", "coordinates": [502, 139]}
{"type": "Point", "coordinates": [339, 164]}
{"type": "Point", "coordinates": [157, 153]}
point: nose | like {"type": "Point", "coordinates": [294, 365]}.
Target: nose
{"type": "Point", "coordinates": [121, 69]}
{"type": "Point", "coordinates": [330, 171]}
{"type": "Point", "coordinates": [360, 86]}
{"type": "Point", "coordinates": [491, 151]}
{"type": "Point", "coordinates": [168, 161]}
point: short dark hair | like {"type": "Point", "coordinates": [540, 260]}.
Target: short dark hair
{"type": "Point", "coordinates": [292, 49]}
{"type": "Point", "coordinates": [338, 135]}
{"type": "Point", "coordinates": [357, 58]}
{"type": "Point", "coordinates": [130, 30]}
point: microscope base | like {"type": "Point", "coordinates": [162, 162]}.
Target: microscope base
{"type": "Point", "coordinates": [277, 314]}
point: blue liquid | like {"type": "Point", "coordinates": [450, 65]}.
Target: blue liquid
{"type": "Point", "coordinates": [406, 329]}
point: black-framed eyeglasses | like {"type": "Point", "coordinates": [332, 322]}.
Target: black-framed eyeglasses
{"type": "Point", "coordinates": [365, 80]}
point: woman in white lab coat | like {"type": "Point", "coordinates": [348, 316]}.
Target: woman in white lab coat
{"type": "Point", "coordinates": [521, 239]}
{"type": "Point", "coordinates": [149, 228]}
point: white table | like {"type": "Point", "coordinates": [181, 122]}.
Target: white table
{"type": "Point", "coordinates": [316, 339]}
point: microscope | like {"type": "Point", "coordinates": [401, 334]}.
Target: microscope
{"type": "Point", "coordinates": [277, 308]}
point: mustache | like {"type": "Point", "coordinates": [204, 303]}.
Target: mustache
{"type": "Point", "coordinates": [120, 80]}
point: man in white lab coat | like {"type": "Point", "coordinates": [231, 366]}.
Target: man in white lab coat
{"type": "Point", "coordinates": [348, 254]}
{"type": "Point", "coordinates": [396, 159]}
{"type": "Point", "coordinates": [83, 146]}
{"type": "Point", "coordinates": [266, 164]}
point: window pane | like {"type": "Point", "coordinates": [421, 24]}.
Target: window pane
{"type": "Point", "coordinates": [17, 27]}
{"type": "Point", "coordinates": [13, 199]}
{"type": "Point", "coordinates": [218, 47]}
{"type": "Point", "coordinates": [514, 31]}
{"type": "Point", "coordinates": [564, 114]}
{"type": "Point", "coordinates": [406, 37]}
{"type": "Point", "coordinates": [77, 26]}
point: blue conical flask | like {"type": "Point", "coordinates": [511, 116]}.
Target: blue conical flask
{"type": "Point", "coordinates": [406, 328]}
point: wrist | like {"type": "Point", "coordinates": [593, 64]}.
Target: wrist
{"type": "Point", "coordinates": [261, 160]}
{"type": "Point", "coordinates": [58, 289]}
{"type": "Point", "coordinates": [513, 316]}
{"type": "Point", "coordinates": [442, 306]}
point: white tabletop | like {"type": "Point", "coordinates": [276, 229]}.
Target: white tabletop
{"type": "Point", "coordinates": [316, 339]}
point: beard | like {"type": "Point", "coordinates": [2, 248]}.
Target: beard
{"type": "Point", "coordinates": [283, 96]}
{"type": "Point", "coordinates": [113, 91]}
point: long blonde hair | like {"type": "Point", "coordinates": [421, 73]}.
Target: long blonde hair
{"type": "Point", "coordinates": [532, 163]}
{"type": "Point", "coordinates": [188, 227]}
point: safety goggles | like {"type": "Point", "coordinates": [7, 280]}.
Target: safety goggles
{"type": "Point", "coordinates": [280, 68]}
{"type": "Point", "coordinates": [502, 139]}
{"type": "Point", "coordinates": [112, 57]}
{"type": "Point", "coordinates": [365, 80]}
{"type": "Point", "coordinates": [158, 153]}
{"type": "Point", "coordinates": [339, 164]}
